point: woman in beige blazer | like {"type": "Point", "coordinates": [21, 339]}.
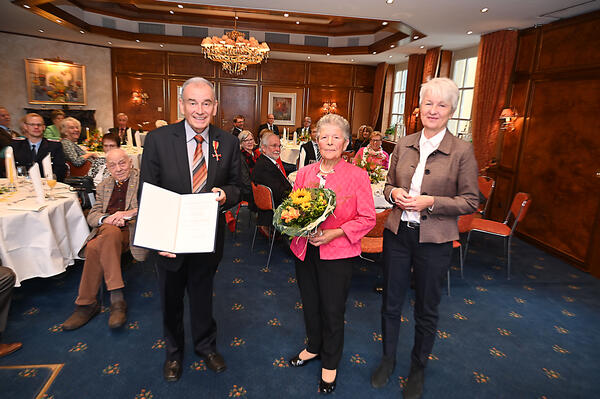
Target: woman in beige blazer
{"type": "Point", "coordinates": [432, 180]}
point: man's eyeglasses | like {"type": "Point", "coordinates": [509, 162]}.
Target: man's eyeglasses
{"type": "Point", "coordinates": [34, 124]}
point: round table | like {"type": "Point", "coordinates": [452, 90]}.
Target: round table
{"type": "Point", "coordinates": [40, 243]}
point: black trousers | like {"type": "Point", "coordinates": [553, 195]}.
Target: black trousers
{"type": "Point", "coordinates": [195, 277]}
{"type": "Point", "coordinates": [324, 286]}
{"type": "Point", "coordinates": [7, 283]}
{"type": "Point", "coordinates": [429, 263]}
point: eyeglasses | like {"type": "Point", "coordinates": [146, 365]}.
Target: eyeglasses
{"type": "Point", "coordinates": [376, 140]}
{"type": "Point", "coordinates": [248, 140]}
{"type": "Point", "coordinates": [34, 124]}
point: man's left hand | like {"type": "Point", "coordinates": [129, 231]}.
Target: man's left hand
{"type": "Point", "coordinates": [222, 197]}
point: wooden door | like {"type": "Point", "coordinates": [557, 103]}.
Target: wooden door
{"type": "Point", "coordinates": [237, 99]}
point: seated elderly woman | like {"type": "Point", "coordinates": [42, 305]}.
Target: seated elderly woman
{"type": "Point", "coordinates": [373, 152]}
{"type": "Point", "coordinates": [70, 128]}
{"type": "Point", "coordinates": [362, 139]}
{"type": "Point", "coordinates": [324, 260]}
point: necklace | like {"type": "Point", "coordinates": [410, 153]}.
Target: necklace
{"type": "Point", "coordinates": [325, 172]}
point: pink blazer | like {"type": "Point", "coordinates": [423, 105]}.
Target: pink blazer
{"type": "Point", "coordinates": [354, 212]}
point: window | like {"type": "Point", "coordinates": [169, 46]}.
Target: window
{"type": "Point", "coordinates": [399, 97]}
{"type": "Point", "coordinates": [464, 76]}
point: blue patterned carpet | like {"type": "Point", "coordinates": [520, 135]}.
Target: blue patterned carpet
{"type": "Point", "coordinates": [535, 336]}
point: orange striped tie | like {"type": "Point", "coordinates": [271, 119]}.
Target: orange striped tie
{"type": "Point", "coordinates": [199, 166]}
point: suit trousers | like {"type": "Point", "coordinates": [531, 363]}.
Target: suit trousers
{"type": "Point", "coordinates": [324, 286]}
{"type": "Point", "coordinates": [7, 283]}
{"type": "Point", "coordinates": [195, 276]}
{"type": "Point", "coordinates": [102, 260]}
{"type": "Point", "coordinates": [429, 263]}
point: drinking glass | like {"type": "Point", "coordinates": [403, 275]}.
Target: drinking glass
{"type": "Point", "coordinates": [51, 182]}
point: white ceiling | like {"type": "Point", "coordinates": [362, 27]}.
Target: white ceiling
{"type": "Point", "coordinates": [445, 22]}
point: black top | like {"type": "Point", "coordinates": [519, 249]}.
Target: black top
{"type": "Point", "coordinates": [24, 156]}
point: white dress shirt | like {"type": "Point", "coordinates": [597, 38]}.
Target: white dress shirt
{"type": "Point", "coordinates": [191, 148]}
{"type": "Point", "coordinates": [426, 147]}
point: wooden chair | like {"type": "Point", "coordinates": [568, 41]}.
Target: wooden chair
{"type": "Point", "coordinates": [517, 212]}
{"type": "Point", "coordinates": [79, 170]}
{"type": "Point", "coordinates": [263, 198]}
{"type": "Point", "coordinates": [486, 187]}
{"type": "Point", "coordinates": [237, 214]}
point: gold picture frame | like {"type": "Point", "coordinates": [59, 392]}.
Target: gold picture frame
{"type": "Point", "coordinates": [55, 82]}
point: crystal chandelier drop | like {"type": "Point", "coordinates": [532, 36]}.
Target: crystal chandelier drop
{"type": "Point", "coordinates": [234, 51]}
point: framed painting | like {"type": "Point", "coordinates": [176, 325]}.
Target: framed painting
{"type": "Point", "coordinates": [55, 82]}
{"type": "Point", "coordinates": [283, 107]}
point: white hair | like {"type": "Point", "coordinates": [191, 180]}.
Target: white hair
{"type": "Point", "coordinates": [442, 87]}
{"type": "Point", "coordinates": [336, 120]}
{"type": "Point", "coordinates": [198, 81]}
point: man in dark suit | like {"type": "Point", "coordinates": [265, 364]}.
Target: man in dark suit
{"type": "Point", "coordinates": [269, 172]}
{"type": "Point", "coordinates": [238, 125]}
{"type": "Point", "coordinates": [121, 129]}
{"type": "Point", "coordinates": [309, 152]}
{"type": "Point", "coordinates": [34, 147]}
{"type": "Point", "coordinates": [192, 156]}
{"type": "Point", "coordinates": [270, 125]}
{"type": "Point", "coordinates": [304, 130]}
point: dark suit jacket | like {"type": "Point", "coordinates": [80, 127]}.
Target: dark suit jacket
{"type": "Point", "coordinates": [236, 131]}
{"type": "Point", "coordinates": [266, 173]}
{"type": "Point", "coordinates": [165, 164]}
{"type": "Point", "coordinates": [22, 151]}
{"type": "Point", "coordinates": [309, 149]}
{"type": "Point", "coordinates": [115, 131]}
{"type": "Point", "coordinates": [266, 126]}
{"type": "Point", "coordinates": [299, 130]}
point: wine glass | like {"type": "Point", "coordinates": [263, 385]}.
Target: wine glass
{"type": "Point", "coordinates": [51, 182]}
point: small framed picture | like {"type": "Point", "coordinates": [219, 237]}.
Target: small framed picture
{"type": "Point", "coordinates": [55, 82]}
{"type": "Point", "coordinates": [283, 107]}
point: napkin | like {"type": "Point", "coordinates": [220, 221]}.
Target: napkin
{"type": "Point", "coordinates": [295, 137]}
{"type": "Point", "coordinates": [36, 180]}
{"type": "Point", "coordinates": [9, 163]}
{"type": "Point", "coordinates": [47, 166]}
{"type": "Point", "coordinates": [29, 204]}
{"type": "Point", "coordinates": [138, 140]}
{"type": "Point", "coordinates": [129, 138]}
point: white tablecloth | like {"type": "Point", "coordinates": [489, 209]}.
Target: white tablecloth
{"type": "Point", "coordinates": [134, 153]}
{"type": "Point", "coordinates": [289, 153]}
{"type": "Point", "coordinates": [43, 243]}
{"type": "Point", "coordinates": [142, 138]}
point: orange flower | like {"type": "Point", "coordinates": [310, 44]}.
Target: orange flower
{"type": "Point", "coordinates": [289, 214]}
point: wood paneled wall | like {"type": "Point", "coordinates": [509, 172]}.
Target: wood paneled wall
{"type": "Point", "coordinates": [554, 152]}
{"type": "Point", "coordinates": [159, 73]}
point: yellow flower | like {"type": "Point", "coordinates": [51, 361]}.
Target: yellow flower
{"type": "Point", "coordinates": [305, 206]}
{"type": "Point", "coordinates": [300, 196]}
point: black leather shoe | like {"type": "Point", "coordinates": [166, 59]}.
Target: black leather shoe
{"type": "Point", "coordinates": [414, 385]}
{"type": "Point", "coordinates": [382, 374]}
{"type": "Point", "coordinates": [215, 362]}
{"type": "Point", "coordinates": [172, 370]}
{"type": "Point", "coordinates": [297, 362]}
{"type": "Point", "coordinates": [327, 387]}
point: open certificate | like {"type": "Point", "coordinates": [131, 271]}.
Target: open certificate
{"type": "Point", "coordinates": [177, 223]}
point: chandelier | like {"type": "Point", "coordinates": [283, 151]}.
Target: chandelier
{"type": "Point", "coordinates": [234, 51]}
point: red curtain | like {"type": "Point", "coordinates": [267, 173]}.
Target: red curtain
{"type": "Point", "coordinates": [445, 64]}
{"type": "Point", "coordinates": [413, 85]}
{"type": "Point", "coordinates": [378, 91]}
{"type": "Point", "coordinates": [495, 61]}
{"type": "Point", "coordinates": [430, 68]}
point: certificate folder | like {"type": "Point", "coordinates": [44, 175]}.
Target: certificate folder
{"type": "Point", "coordinates": [177, 223]}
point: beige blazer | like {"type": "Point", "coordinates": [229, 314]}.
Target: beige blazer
{"type": "Point", "coordinates": [450, 177]}
{"type": "Point", "coordinates": [103, 194]}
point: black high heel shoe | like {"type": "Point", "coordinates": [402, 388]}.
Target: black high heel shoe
{"type": "Point", "coordinates": [327, 387]}
{"type": "Point", "coordinates": [297, 362]}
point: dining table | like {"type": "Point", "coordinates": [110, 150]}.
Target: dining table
{"type": "Point", "coordinates": [40, 239]}
{"type": "Point", "coordinates": [290, 152]}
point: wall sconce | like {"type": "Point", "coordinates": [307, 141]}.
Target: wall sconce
{"type": "Point", "coordinates": [415, 113]}
{"type": "Point", "coordinates": [139, 97]}
{"type": "Point", "coordinates": [329, 108]}
{"type": "Point", "coordinates": [507, 119]}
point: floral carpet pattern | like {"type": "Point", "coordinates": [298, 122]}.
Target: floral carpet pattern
{"type": "Point", "coordinates": [534, 336]}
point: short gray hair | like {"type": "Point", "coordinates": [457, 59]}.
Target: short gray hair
{"type": "Point", "coordinates": [336, 120]}
{"type": "Point", "coordinates": [198, 81]}
{"type": "Point", "coordinates": [243, 135]}
{"type": "Point", "coordinates": [442, 87]}
{"type": "Point", "coordinates": [63, 124]}
{"type": "Point", "coordinates": [265, 138]}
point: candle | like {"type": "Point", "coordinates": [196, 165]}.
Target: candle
{"type": "Point", "coordinates": [87, 133]}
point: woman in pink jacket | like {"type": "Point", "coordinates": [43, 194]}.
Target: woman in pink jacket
{"type": "Point", "coordinates": [323, 264]}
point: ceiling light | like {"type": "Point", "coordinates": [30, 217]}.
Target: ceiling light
{"type": "Point", "coordinates": [109, 42]}
{"type": "Point", "coordinates": [392, 46]}
{"type": "Point", "coordinates": [297, 22]}
{"type": "Point", "coordinates": [415, 37]}
{"type": "Point", "coordinates": [59, 21]}
{"type": "Point", "coordinates": [389, 56]}
{"type": "Point", "coordinates": [41, 30]}
{"type": "Point", "coordinates": [352, 60]}
{"type": "Point", "coordinates": [389, 1]}
{"type": "Point", "coordinates": [236, 17]}
{"type": "Point", "coordinates": [374, 52]}
{"type": "Point", "coordinates": [328, 54]}
{"type": "Point", "coordinates": [179, 5]}
{"type": "Point", "coordinates": [26, 6]}
{"type": "Point", "coordinates": [82, 32]}
{"type": "Point", "coordinates": [308, 57]}
{"type": "Point", "coordinates": [137, 40]}
{"type": "Point", "coordinates": [384, 23]}
{"type": "Point", "coordinates": [469, 32]}
{"type": "Point", "coordinates": [421, 46]}
{"type": "Point", "coordinates": [484, 9]}
{"type": "Point", "coordinates": [171, 12]}
{"type": "Point", "coordinates": [161, 45]}
{"type": "Point", "coordinates": [286, 15]}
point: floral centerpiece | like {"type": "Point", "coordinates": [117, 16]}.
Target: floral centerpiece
{"type": "Point", "coordinates": [304, 136]}
{"type": "Point", "coordinates": [301, 213]}
{"type": "Point", "coordinates": [376, 172]}
{"type": "Point", "coordinates": [94, 141]}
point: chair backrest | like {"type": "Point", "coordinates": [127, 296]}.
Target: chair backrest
{"type": "Point", "coordinates": [464, 222]}
{"type": "Point", "coordinates": [263, 197]}
{"type": "Point", "coordinates": [79, 170]}
{"type": "Point", "coordinates": [486, 188]}
{"type": "Point", "coordinates": [380, 219]}
{"type": "Point", "coordinates": [518, 209]}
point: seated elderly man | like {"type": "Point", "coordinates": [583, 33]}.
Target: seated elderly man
{"type": "Point", "coordinates": [269, 171]}
{"type": "Point", "coordinates": [116, 205]}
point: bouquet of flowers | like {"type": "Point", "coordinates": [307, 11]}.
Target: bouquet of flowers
{"type": "Point", "coordinates": [94, 141]}
{"type": "Point", "coordinates": [301, 213]}
{"type": "Point", "coordinates": [375, 171]}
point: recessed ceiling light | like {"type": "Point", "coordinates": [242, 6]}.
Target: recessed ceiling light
{"type": "Point", "coordinates": [384, 23]}
{"type": "Point", "coordinates": [59, 21]}
{"type": "Point", "coordinates": [297, 22]}
{"type": "Point", "coordinates": [26, 6]}
{"type": "Point", "coordinates": [161, 45]}
{"type": "Point", "coordinates": [82, 32]}
{"type": "Point", "coordinates": [236, 17]}
{"type": "Point", "coordinates": [109, 42]}
{"type": "Point", "coordinates": [286, 15]}
{"type": "Point", "coordinates": [171, 12]}
{"type": "Point", "coordinates": [137, 40]}
{"type": "Point", "coordinates": [389, 56]}
{"type": "Point", "coordinates": [469, 32]}
{"type": "Point", "coordinates": [179, 5]}
{"type": "Point", "coordinates": [392, 46]}
{"type": "Point", "coordinates": [484, 9]}
{"type": "Point", "coordinates": [389, 1]}
{"type": "Point", "coordinates": [41, 30]}
{"type": "Point", "coordinates": [421, 46]}
{"type": "Point", "coordinates": [328, 54]}
{"type": "Point", "coordinates": [415, 37]}
{"type": "Point", "coordinates": [308, 57]}
{"type": "Point", "coordinates": [374, 52]}
{"type": "Point", "coordinates": [352, 60]}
